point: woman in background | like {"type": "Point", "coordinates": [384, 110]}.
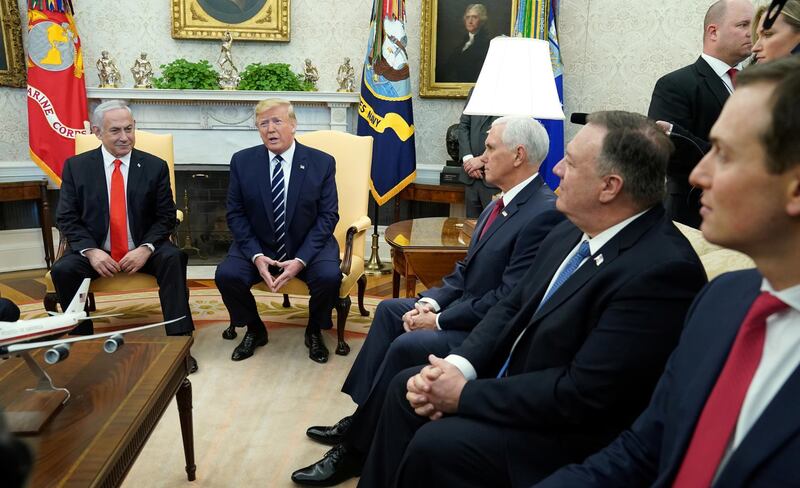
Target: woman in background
{"type": "Point", "coordinates": [779, 40]}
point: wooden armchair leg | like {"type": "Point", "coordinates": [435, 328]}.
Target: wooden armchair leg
{"type": "Point", "coordinates": [51, 302]}
{"type": "Point", "coordinates": [342, 310]}
{"type": "Point", "coordinates": [362, 288]}
{"type": "Point", "coordinates": [286, 303]}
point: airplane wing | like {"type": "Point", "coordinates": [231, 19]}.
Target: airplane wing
{"type": "Point", "coordinates": [15, 348]}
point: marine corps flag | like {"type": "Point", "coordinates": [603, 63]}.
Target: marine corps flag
{"type": "Point", "coordinates": [385, 109]}
{"type": "Point", "coordinates": [57, 105]}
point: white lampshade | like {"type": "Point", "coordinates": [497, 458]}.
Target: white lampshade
{"type": "Point", "coordinates": [516, 79]}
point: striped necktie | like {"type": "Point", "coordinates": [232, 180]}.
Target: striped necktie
{"type": "Point", "coordinates": [279, 208]}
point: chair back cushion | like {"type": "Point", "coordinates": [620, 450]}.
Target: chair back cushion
{"type": "Point", "coordinates": [716, 259]}
{"type": "Point", "coordinates": [156, 144]}
{"type": "Point", "coordinates": [353, 156]}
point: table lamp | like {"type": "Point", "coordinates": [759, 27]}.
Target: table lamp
{"type": "Point", "coordinates": [516, 79]}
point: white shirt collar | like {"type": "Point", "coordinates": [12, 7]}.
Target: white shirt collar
{"type": "Point", "coordinates": [789, 296]}
{"type": "Point", "coordinates": [597, 242]}
{"type": "Point", "coordinates": [287, 155]}
{"type": "Point", "coordinates": [108, 158]}
{"type": "Point", "coordinates": [720, 67]}
{"type": "Point", "coordinates": [514, 191]}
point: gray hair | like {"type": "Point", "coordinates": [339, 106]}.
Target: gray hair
{"type": "Point", "coordinates": [480, 9]}
{"type": "Point", "coordinates": [526, 132]}
{"type": "Point", "coordinates": [100, 111]}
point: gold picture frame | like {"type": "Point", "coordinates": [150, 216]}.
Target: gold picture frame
{"type": "Point", "coordinates": [247, 20]}
{"type": "Point", "coordinates": [12, 57]}
{"type": "Point", "coordinates": [443, 31]}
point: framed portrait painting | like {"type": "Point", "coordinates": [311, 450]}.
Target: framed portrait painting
{"type": "Point", "coordinates": [12, 58]}
{"type": "Point", "coordinates": [455, 39]}
{"type": "Point", "coordinates": [246, 20]}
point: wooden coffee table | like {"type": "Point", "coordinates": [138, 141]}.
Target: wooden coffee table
{"type": "Point", "coordinates": [426, 249]}
{"type": "Point", "coordinates": [117, 400]}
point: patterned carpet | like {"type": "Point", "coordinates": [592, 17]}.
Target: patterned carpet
{"type": "Point", "coordinates": [143, 307]}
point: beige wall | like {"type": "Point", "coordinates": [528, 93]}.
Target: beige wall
{"type": "Point", "coordinates": [614, 50]}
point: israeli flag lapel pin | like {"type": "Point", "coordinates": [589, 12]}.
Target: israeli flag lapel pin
{"type": "Point", "coordinates": [598, 260]}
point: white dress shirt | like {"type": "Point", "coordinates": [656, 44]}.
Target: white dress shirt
{"type": "Point", "coordinates": [595, 244]}
{"type": "Point", "coordinates": [780, 359]}
{"type": "Point", "coordinates": [506, 198]}
{"type": "Point", "coordinates": [721, 69]}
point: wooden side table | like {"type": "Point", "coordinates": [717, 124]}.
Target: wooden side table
{"type": "Point", "coordinates": [452, 194]}
{"type": "Point", "coordinates": [426, 249]}
{"type": "Point", "coordinates": [33, 190]}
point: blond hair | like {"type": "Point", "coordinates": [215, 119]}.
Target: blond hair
{"type": "Point", "coordinates": [270, 103]}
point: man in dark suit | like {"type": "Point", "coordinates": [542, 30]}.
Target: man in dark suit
{"type": "Point", "coordinates": [472, 131]}
{"type": "Point", "coordinates": [464, 63]}
{"type": "Point", "coordinates": [116, 211]}
{"type": "Point", "coordinates": [725, 409]}
{"type": "Point", "coordinates": [282, 209]}
{"type": "Point", "coordinates": [405, 331]}
{"type": "Point", "coordinates": [571, 355]}
{"type": "Point", "coordinates": [690, 99]}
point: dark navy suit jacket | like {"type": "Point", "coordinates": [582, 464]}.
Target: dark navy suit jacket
{"type": "Point", "coordinates": [83, 214]}
{"type": "Point", "coordinates": [495, 263]}
{"type": "Point", "coordinates": [651, 452]}
{"type": "Point", "coordinates": [588, 363]}
{"type": "Point", "coordinates": [311, 205]}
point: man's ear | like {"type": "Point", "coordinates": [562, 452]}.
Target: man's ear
{"type": "Point", "coordinates": [612, 186]}
{"type": "Point", "coordinates": [793, 193]}
{"type": "Point", "coordinates": [96, 131]}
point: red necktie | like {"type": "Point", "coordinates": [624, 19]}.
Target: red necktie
{"type": "Point", "coordinates": [498, 207]}
{"type": "Point", "coordinates": [118, 225]}
{"type": "Point", "coordinates": [733, 72]}
{"type": "Point", "coordinates": [718, 418]}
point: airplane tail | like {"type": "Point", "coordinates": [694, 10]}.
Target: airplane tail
{"type": "Point", "coordinates": [78, 302]}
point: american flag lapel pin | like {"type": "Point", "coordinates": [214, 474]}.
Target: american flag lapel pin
{"type": "Point", "coordinates": [598, 260]}
{"type": "Point", "coordinates": [302, 166]}
{"type": "Point", "coordinates": [138, 165]}
{"type": "Point", "coordinates": [504, 213]}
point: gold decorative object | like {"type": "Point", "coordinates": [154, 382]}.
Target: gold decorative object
{"type": "Point", "coordinates": [439, 45]}
{"type": "Point", "coordinates": [346, 77]}
{"type": "Point", "coordinates": [107, 72]}
{"type": "Point", "coordinates": [229, 75]}
{"type": "Point", "coordinates": [310, 73]}
{"type": "Point", "coordinates": [250, 20]}
{"type": "Point", "coordinates": [142, 72]}
{"type": "Point", "coordinates": [12, 71]}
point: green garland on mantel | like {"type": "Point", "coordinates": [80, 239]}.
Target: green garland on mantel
{"type": "Point", "coordinates": [185, 75]}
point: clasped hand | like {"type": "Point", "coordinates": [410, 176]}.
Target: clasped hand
{"type": "Point", "coordinates": [473, 168]}
{"type": "Point", "coordinates": [420, 317]}
{"type": "Point", "coordinates": [436, 389]}
{"type": "Point", "coordinates": [290, 269]}
{"type": "Point", "coordinates": [104, 264]}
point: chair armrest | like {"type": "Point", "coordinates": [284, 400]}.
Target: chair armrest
{"type": "Point", "coordinates": [356, 228]}
{"type": "Point", "coordinates": [62, 246]}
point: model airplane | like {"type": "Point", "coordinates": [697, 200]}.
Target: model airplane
{"type": "Point", "coordinates": [16, 337]}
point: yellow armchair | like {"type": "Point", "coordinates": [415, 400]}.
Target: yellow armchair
{"type": "Point", "coordinates": [160, 145]}
{"type": "Point", "coordinates": [353, 161]}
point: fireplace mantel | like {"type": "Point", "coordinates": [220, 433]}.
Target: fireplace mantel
{"type": "Point", "coordinates": [210, 125]}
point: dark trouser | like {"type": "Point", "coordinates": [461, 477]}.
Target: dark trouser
{"type": "Point", "coordinates": [236, 275]}
{"type": "Point", "coordinates": [410, 451]}
{"type": "Point", "coordinates": [477, 197]}
{"type": "Point", "coordinates": [682, 202]}
{"type": "Point", "coordinates": [167, 264]}
{"type": "Point", "coordinates": [9, 311]}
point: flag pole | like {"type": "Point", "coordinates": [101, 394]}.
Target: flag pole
{"type": "Point", "coordinates": [374, 266]}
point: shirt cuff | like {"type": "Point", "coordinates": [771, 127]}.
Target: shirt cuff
{"type": "Point", "coordinates": [432, 302]}
{"type": "Point", "coordinates": [463, 365]}
{"type": "Point", "coordinates": [149, 246]}
{"type": "Point", "coordinates": [301, 262]}
{"type": "Point", "coordinates": [466, 158]}
{"type": "Point", "coordinates": [82, 252]}
{"type": "Point", "coordinates": [253, 259]}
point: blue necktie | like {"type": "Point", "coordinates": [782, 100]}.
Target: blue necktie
{"type": "Point", "coordinates": [572, 265]}
{"type": "Point", "coordinates": [279, 208]}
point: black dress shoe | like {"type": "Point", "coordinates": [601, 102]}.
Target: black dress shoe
{"type": "Point", "coordinates": [331, 434]}
{"type": "Point", "coordinates": [229, 333]}
{"type": "Point", "coordinates": [247, 347]}
{"type": "Point", "coordinates": [316, 347]}
{"type": "Point", "coordinates": [339, 464]}
{"type": "Point", "coordinates": [193, 365]}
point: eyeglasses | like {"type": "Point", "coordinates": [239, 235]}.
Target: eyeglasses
{"type": "Point", "coordinates": [264, 124]}
{"type": "Point", "coordinates": [772, 13]}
